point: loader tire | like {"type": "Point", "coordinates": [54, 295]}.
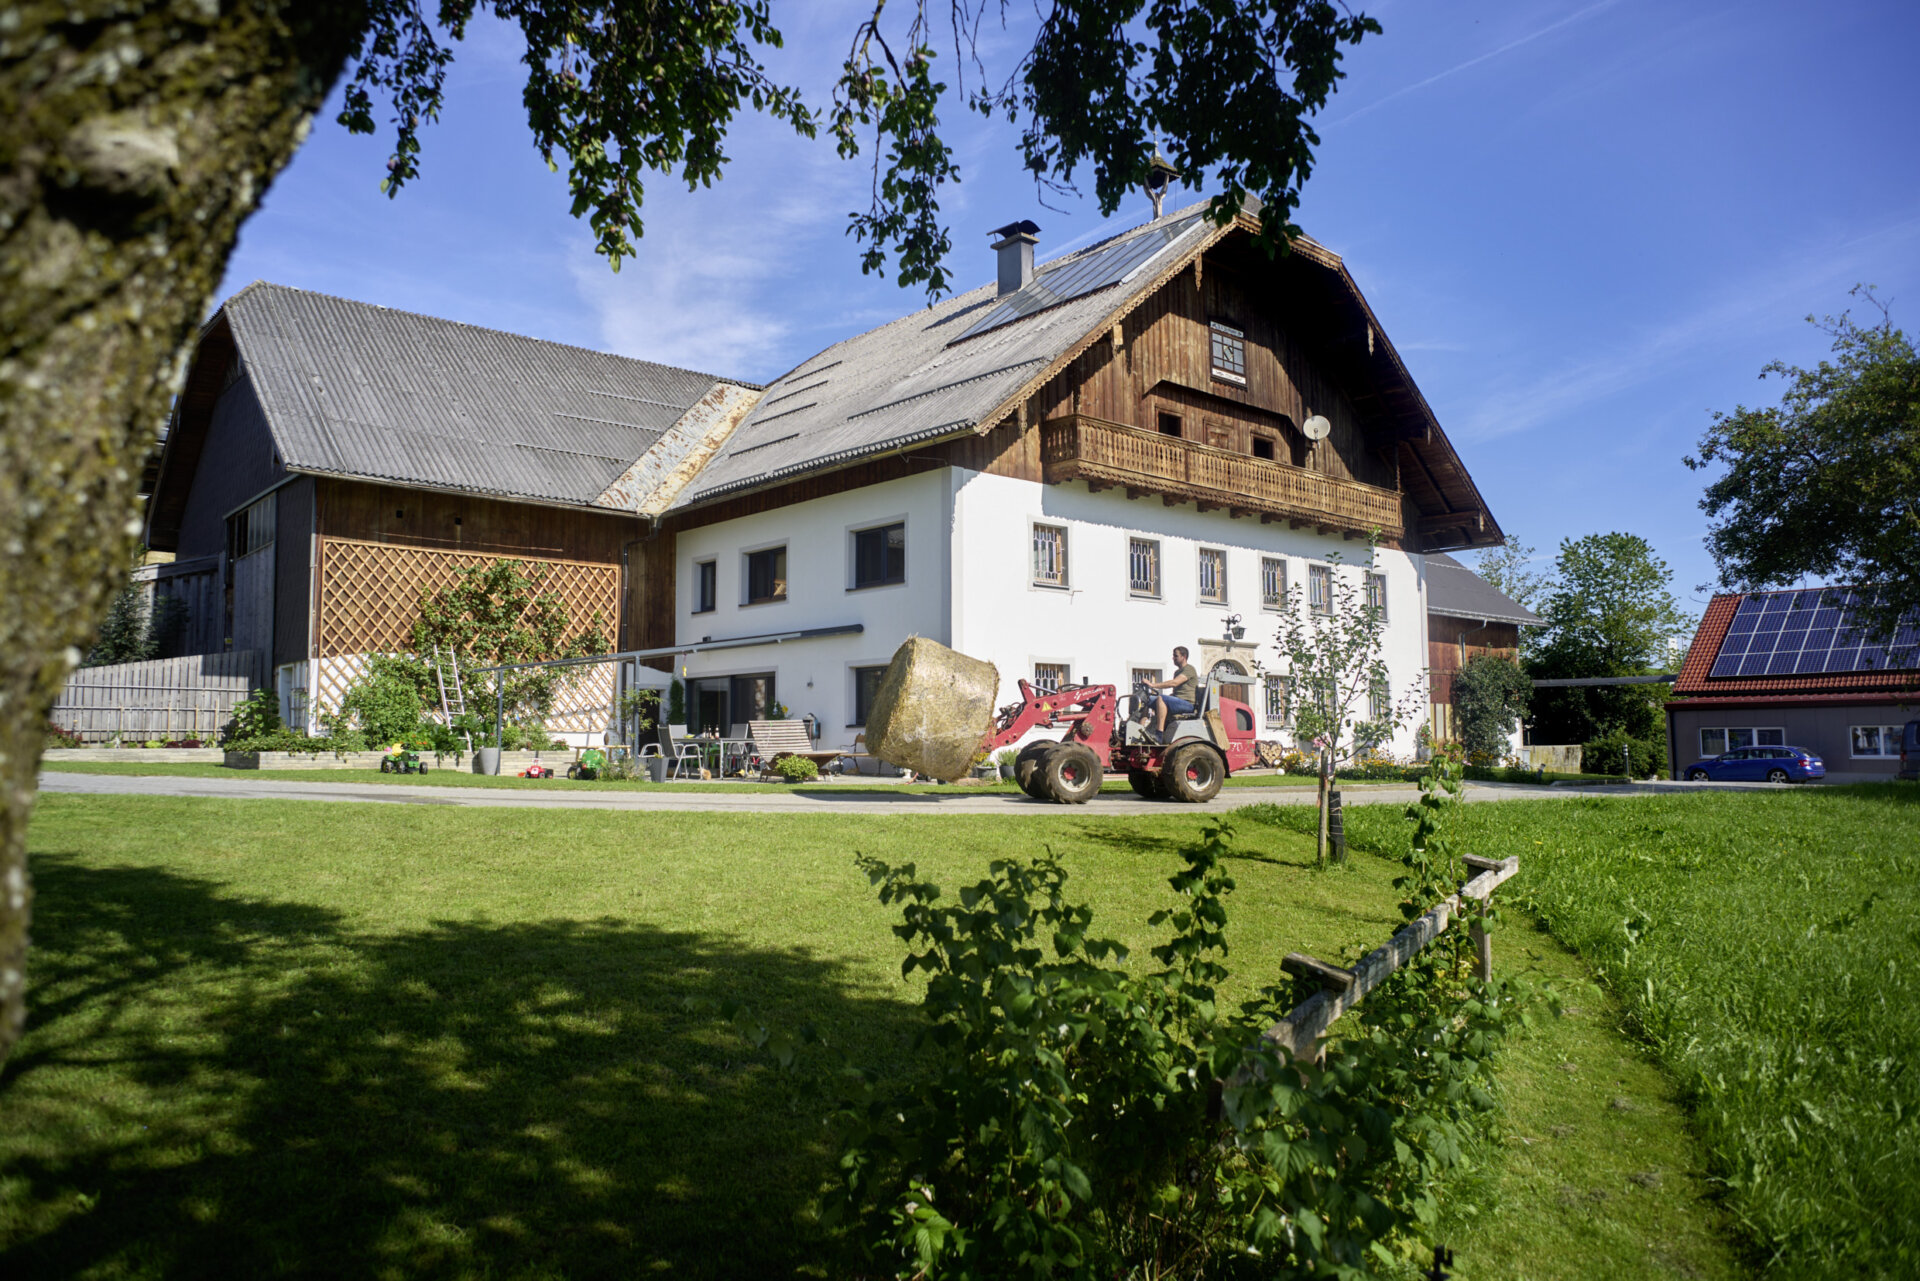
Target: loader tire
{"type": "Point", "coordinates": [1026, 768]}
{"type": "Point", "coordinates": [1072, 775]}
{"type": "Point", "coordinates": [1194, 773]}
{"type": "Point", "coordinates": [1144, 783]}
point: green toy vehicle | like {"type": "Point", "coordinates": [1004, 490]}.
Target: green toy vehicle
{"type": "Point", "coordinates": [400, 760]}
{"type": "Point", "coordinates": [588, 767]}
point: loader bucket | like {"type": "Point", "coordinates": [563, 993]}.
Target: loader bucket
{"type": "Point", "coordinates": [933, 710]}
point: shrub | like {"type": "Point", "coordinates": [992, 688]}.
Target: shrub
{"type": "Point", "coordinates": [796, 769]}
{"type": "Point", "coordinates": [256, 714]}
{"type": "Point", "coordinates": [385, 704]}
{"type": "Point", "coordinates": [1072, 1117]}
{"type": "Point", "coordinates": [1489, 696]}
{"type": "Point", "coordinates": [57, 737]}
{"type": "Point", "coordinates": [1602, 755]}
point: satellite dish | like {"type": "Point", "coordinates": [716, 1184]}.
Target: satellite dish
{"type": "Point", "coordinates": [1316, 428]}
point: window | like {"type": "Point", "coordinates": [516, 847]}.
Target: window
{"type": "Point", "coordinates": [251, 528]}
{"type": "Point", "coordinates": [1379, 701]}
{"type": "Point", "coordinates": [1049, 556]}
{"type": "Point", "coordinates": [1874, 740]}
{"type": "Point", "coordinates": [766, 575]}
{"type": "Point", "coordinates": [1143, 567]}
{"type": "Point", "coordinates": [1229, 352]}
{"type": "Point", "coordinates": [1170, 424]}
{"type": "Point", "coordinates": [1377, 594]}
{"type": "Point", "coordinates": [1263, 447]}
{"type": "Point", "coordinates": [1273, 583]}
{"type": "Point", "coordinates": [1276, 687]}
{"type": "Point", "coordinates": [880, 556]}
{"type": "Point", "coordinates": [1320, 588]}
{"type": "Point", "coordinates": [1718, 741]}
{"type": "Point", "coordinates": [706, 586]}
{"type": "Point", "coordinates": [1213, 575]}
{"type": "Point", "coordinates": [1048, 677]}
{"type": "Point", "coordinates": [866, 684]}
{"type": "Point", "coordinates": [1148, 675]}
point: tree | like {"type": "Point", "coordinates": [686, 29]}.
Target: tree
{"type": "Point", "coordinates": [140, 134]}
{"type": "Point", "coordinates": [1610, 613]}
{"type": "Point", "coordinates": [125, 636]}
{"type": "Point", "coordinates": [1827, 484]}
{"type": "Point", "coordinates": [1333, 641]}
{"type": "Point", "coordinates": [1490, 694]}
{"type": "Point", "coordinates": [1508, 568]}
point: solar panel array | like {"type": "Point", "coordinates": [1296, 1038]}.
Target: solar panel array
{"type": "Point", "coordinates": [1808, 632]}
{"type": "Point", "coordinates": [1096, 269]}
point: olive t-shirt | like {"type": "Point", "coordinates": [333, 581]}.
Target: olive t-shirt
{"type": "Point", "coordinates": [1189, 682]}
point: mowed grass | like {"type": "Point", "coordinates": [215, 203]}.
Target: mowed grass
{"type": "Point", "coordinates": [1765, 946]}
{"type": "Point", "coordinates": [274, 1037]}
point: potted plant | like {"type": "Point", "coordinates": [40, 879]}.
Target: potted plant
{"type": "Point", "coordinates": [1005, 759]}
{"type": "Point", "coordinates": [796, 769]}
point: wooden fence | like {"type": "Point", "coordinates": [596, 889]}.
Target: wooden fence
{"type": "Point", "coordinates": [165, 699]}
{"type": "Point", "coordinates": [1341, 990]}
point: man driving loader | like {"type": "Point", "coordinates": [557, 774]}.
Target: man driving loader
{"type": "Point", "coordinates": [1185, 686]}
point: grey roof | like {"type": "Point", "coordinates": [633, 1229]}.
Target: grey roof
{"type": "Point", "coordinates": [1458, 592]}
{"type": "Point", "coordinates": [944, 370]}
{"type": "Point", "coordinates": [358, 390]}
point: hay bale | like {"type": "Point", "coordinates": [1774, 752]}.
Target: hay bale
{"type": "Point", "coordinates": [933, 709]}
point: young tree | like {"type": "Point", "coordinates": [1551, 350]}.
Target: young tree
{"type": "Point", "coordinates": [125, 634]}
{"type": "Point", "coordinates": [1610, 613]}
{"type": "Point", "coordinates": [140, 134]}
{"type": "Point", "coordinates": [1332, 640]}
{"type": "Point", "coordinates": [1827, 484]}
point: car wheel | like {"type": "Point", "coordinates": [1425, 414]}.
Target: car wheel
{"type": "Point", "coordinates": [1144, 782]}
{"type": "Point", "coordinates": [1071, 775]}
{"type": "Point", "coordinates": [1696, 776]}
{"type": "Point", "coordinates": [1194, 772]}
{"type": "Point", "coordinates": [1778, 776]}
{"type": "Point", "coordinates": [1026, 768]}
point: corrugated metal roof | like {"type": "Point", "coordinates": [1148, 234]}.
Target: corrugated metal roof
{"type": "Point", "coordinates": [352, 389]}
{"type": "Point", "coordinates": [931, 374]}
{"type": "Point", "coordinates": [1458, 592]}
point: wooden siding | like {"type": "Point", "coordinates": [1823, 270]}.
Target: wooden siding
{"type": "Point", "coordinates": [293, 573]}
{"type": "Point", "coordinates": [471, 523]}
{"type": "Point", "coordinates": [1444, 639]}
{"type": "Point", "coordinates": [237, 465]}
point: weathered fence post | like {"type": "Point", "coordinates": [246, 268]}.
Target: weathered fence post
{"type": "Point", "coordinates": [1482, 944]}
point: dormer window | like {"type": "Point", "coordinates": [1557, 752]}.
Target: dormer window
{"type": "Point", "coordinates": [1229, 352]}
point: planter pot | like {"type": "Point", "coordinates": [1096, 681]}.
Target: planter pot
{"type": "Point", "coordinates": [657, 768]}
{"type": "Point", "coordinates": [486, 760]}
{"type": "Point", "coordinates": [1006, 773]}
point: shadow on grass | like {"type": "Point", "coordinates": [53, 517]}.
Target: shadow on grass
{"type": "Point", "coordinates": [219, 1086]}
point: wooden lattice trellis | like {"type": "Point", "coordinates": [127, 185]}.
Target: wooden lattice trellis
{"type": "Point", "coordinates": [582, 698]}
{"type": "Point", "coordinates": [370, 592]}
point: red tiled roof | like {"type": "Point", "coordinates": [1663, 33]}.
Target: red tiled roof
{"type": "Point", "coordinates": [1870, 698]}
{"type": "Point", "coordinates": [1693, 679]}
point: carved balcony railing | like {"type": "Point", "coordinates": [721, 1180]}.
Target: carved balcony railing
{"type": "Point", "coordinates": [1078, 447]}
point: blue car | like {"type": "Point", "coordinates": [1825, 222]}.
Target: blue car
{"type": "Point", "coordinates": [1757, 765]}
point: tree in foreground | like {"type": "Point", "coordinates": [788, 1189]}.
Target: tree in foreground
{"type": "Point", "coordinates": [1826, 485]}
{"type": "Point", "coordinates": [1611, 612]}
{"type": "Point", "coordinates": [1333, 643]}
{"type": "Point", "coordinates": [141, 133]}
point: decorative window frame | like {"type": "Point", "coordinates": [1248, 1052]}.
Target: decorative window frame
{"type": "Point", "coordinates": [1200, 576]}
{"type": "Point", "coordinates": [1158, 587]}
{"type": "Point", "coordinates": [1065, 555]}
{"type": "Point", "coordinates": [1224, 334]}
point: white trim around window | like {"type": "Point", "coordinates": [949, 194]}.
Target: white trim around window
{"type": "Point", "coordinates": [1874, 742]}
{"type": "Point", "coordinates": [1049, 555]}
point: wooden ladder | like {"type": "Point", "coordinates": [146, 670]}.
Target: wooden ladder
{"type": "Point", "coordinates": [453, 705]}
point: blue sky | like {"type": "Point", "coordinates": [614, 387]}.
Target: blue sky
{"type": "Point", "coordinates": [1585, 225]}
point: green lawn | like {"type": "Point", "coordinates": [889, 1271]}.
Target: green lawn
{"type": "Point", "coordinates": [1763, 946]}
{"type": "Point", "coordinates": [453, 776]}
{"type": "Point", "coordinates": [273, 1037]}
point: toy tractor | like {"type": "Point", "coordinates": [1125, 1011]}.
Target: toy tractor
{"type": "Point", "coordinates": [1196, 758]}
{"type": "Point", "coordinates": [588, 767]}
{"type": "Point", "coordinates": [402, 760]}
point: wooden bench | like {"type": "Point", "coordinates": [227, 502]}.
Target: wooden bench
{"type": "Point", "coordinates": [774, 739]}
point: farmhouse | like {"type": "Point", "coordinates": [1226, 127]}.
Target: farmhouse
{"type": "Point", "coordinates": [1068, 472]}
{"type": "Point", "coordinates": [1791, 668]}
{"type": "Point", "coordinates": [1153, 441]}
{"type": "Point", "coordinates": [329, 460]}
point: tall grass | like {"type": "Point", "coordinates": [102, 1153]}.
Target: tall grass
{"type": "Point", "coordinates": [1764, 946]}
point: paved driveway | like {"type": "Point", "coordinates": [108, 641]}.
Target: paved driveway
{"type": "Point", "coordinates": [774, 800]}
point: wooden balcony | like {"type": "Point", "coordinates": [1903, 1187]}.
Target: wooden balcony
{"type": "Point", "coordinates": [1103, 453]}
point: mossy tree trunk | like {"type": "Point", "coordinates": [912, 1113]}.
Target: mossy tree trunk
{"type": "Point", "coordinates": [138, 136]}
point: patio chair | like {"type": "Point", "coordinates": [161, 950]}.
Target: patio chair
{"type": "Point", "coordinates": [678, 755]}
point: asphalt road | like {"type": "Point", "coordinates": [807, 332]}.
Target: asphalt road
{"type": "Point", "coordinates": [772, 801]}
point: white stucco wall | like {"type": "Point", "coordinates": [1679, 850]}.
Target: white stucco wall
{"type": "Point", "coordinates": [969, 585]}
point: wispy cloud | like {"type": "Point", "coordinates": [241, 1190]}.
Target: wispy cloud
{"type": "Point", "coordinates": [1755, 306]}
{"type": "Point", "coordinates": [1579, 15]}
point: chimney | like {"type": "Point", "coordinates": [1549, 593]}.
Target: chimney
{"type": "Point", "coordinates": [1015, 248]}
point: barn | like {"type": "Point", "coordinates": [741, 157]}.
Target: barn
{"type": "Point", "coordinates": [328, 461]}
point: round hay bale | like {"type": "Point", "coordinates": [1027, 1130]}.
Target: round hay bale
{"type": "Point", "coordinates": [933, 709]}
